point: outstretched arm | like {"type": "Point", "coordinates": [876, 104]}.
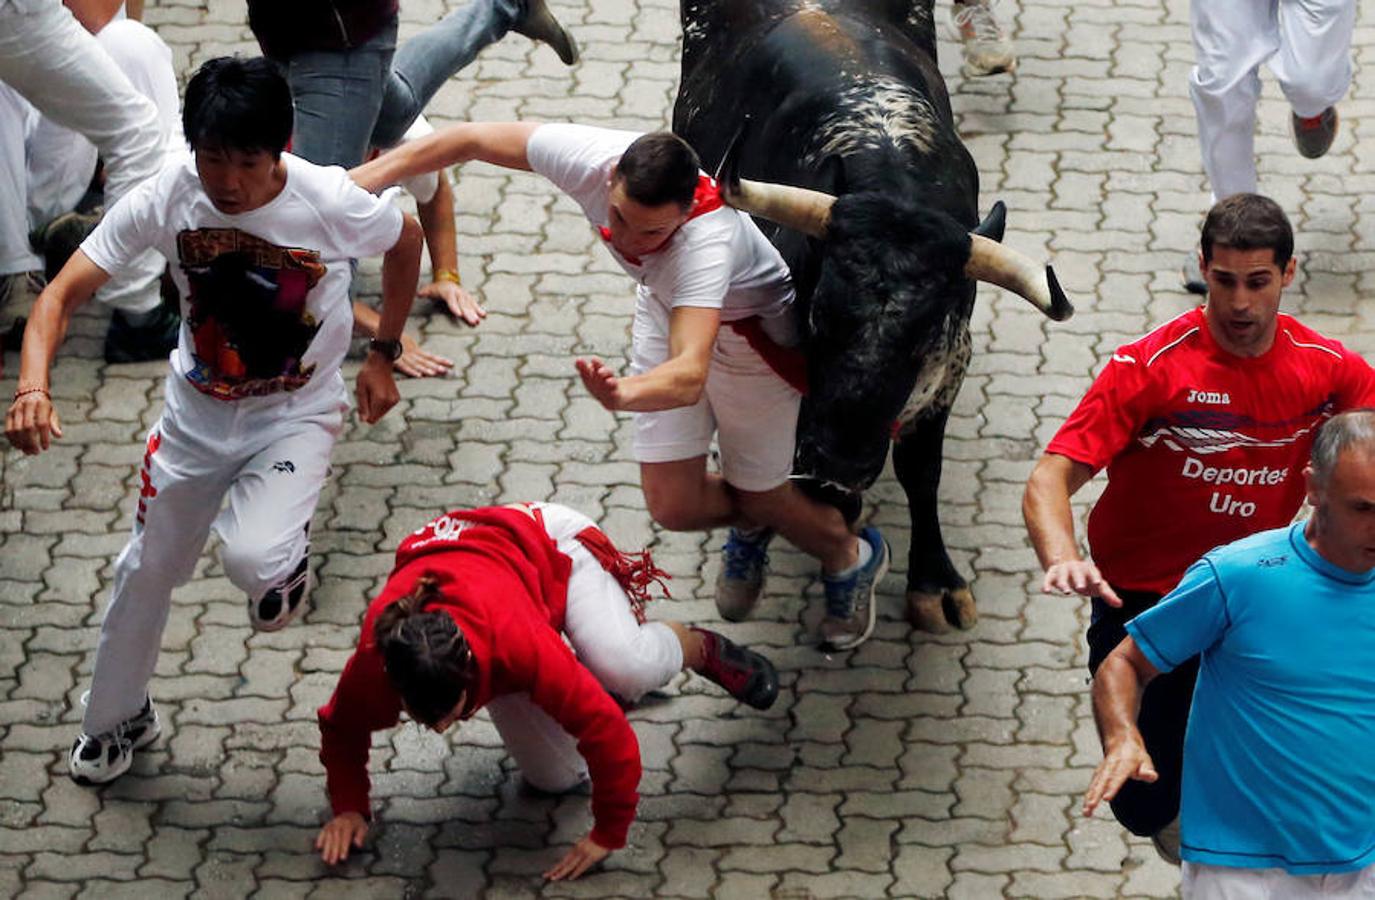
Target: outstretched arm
{"type": "Point", "coordinates": [32, 422]}
{"type": "Point", "coordinates": [676, 382]}
{"type": "Point", "coordinates": [498, 143]}
{"type": "Point", "coordinates": [1117, 690]}
{"type": "Point", "coordinates": [1050, 524]}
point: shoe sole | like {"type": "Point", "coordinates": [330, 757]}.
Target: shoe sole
{"type": "Point", "coordinates": [738, 612]}
{"type": "Point", "coordinates": [968, 71]}
{"type": "Point", "coordinates": [1321, 153]}
{"type": "Point", "coordinates": [873, 604]}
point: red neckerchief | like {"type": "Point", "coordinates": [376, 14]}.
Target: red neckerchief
{"type": "Point", "coordinates": [707, 198]}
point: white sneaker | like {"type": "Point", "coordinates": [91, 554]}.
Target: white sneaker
{"type": "Point", "coordinates": [97, 759]}
{"type": "Point", "coordinates": [987, 48]}
{"type": "Point", "coordinates": [279, 605]}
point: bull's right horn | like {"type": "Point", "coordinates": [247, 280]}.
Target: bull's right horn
{"type": "Point", "coordinates": [801, 209]}
{"type": "Point", "coordinates": [798, 208]}
{"type": "Point", "coordinates": [992, 262]}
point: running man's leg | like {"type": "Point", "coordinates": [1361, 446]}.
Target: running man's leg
{"type": "Point", "coordinates": [1231, 40]}
{"type": "Point", "coordinates": [671, 446]}
{"type": "Point", "coordinates": [15, 253]}
{"type": "Point", "coordinates": [337, 95]}
{"type": "Point", "coordinates": [1313, 63]}
{"type": "Point", "coordinates": [756, 412]}
{"type": "Point", "coordinates": [59, 68]}
{"type": "Point", "coordinates": [264, 527]}
{"type": "Point", "coordinates": [425, 62]}
{"type": "Point", "coordinates": [178, 502]}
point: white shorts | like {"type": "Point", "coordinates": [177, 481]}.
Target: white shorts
{"type": "Point", "coordinates": [753, 409]}
{"type": "Point", "coordinates": [1207, 882]}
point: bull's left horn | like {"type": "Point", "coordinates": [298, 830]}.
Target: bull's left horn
{"type": "Point", "coordinates": [801, 209]}
{"type": "Point", "coordinates": [992, 262]}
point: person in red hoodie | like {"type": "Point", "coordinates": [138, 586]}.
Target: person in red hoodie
{"type": "Point", "coordinates": [475, 615]}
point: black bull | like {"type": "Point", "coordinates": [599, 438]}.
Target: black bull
{"type": "Point", "coordinates": [846, 98]}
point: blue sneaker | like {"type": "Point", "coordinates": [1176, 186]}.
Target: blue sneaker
{"type": "Point", "coordinates": [850, 608]}
{"type": "Point", "coordinates": [744, 560]}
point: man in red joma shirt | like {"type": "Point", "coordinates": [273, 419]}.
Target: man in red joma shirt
{"type": "Point", "coordinates": [475, 615]}
{"type": "Point", "coordinates": [1204, 426]}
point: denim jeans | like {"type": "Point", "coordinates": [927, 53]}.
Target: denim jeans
{"type": "Point", "coordinates": [350, 100]}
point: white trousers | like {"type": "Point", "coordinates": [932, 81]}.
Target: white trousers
{"type": "Point", "coordinates": [61, 161]}
{"type": "Point", "coordinates": [15, 253]}
{"type": "Point", "coordinates": [58, 67]}
{"type": "Point", "coordinates": [1205, 882]}
{"type": "Point", "coordinates": [1307, 45]}
{"type": "Point", "coordinates": [269, 456]}
{"type": "Point", "coordinates": [626, 657]}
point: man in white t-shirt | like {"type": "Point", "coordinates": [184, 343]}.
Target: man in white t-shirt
{"type": "Point", "coordinates": [699, 266]}
{"type": "Point", "coordinates": [260, 243]}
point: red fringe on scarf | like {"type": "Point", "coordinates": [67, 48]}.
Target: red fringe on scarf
{"type": "Point", "coordinates": [634, 572]}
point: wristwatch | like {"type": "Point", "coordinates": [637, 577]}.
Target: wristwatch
{"type": "Point", "coordinates": [390, 349]}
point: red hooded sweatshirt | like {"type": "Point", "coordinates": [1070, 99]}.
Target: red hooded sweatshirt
{"type": "Point", "coordinates": [505, 584]}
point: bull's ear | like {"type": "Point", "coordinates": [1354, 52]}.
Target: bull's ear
{"type": "Point", "coordinates": [728, 170]}
{"type": "Point", "coordinates": [995, 223]}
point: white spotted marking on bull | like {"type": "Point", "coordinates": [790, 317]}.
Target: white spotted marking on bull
{"type": "Point", "coordinates": [939, 380]}
{"type": "Point", "coordinates": [874, 111]}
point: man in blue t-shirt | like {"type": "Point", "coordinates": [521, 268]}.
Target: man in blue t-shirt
{"type": "Point", "coordinates": [1278, 791]}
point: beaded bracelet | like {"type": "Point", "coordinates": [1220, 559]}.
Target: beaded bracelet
{"type": "Point", "coordinates": [33, 390]}
{"type": "Point", "coordinates": [448, 275]}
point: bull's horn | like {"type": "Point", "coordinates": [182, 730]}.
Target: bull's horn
{"type": "Point", "coordinates": [798, 208]}
{"type": "Point", "coordinates": [992, 262]}
{"type": "Point", "coordinates": [801, 209]}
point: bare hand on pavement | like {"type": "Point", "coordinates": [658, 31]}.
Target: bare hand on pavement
{"type": "Point", "coordinates": [585, 854]}
{"type": "Point", "coordinates": [459, 303]}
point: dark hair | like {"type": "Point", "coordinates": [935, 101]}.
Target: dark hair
{"type": "Point", "coordinates": [659, 168]}
{"type": "Point", "coordinates": [427, 658]}
{"type": "Point", "coordinates": [238, 104]}
{"type": "Point", "coordinates": [1248, 222]}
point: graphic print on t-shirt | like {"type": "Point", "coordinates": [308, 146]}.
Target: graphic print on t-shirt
{"type": "Point", "coordinates": [1216, 431]}
{"type": "Point", "coordinates": [247, 312]}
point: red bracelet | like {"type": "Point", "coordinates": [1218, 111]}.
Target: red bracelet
{"type": "Point", "coordinates": [43, 391]}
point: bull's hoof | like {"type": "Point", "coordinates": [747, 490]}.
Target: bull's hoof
{"type": "Point", "coordinates": [935, 613]}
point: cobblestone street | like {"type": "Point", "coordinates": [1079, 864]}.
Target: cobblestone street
{"type": "Point", "coordinates": [916, 766]}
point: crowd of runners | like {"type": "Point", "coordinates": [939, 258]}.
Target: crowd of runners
{"type": "Point", "coordinates": [222, 226]}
